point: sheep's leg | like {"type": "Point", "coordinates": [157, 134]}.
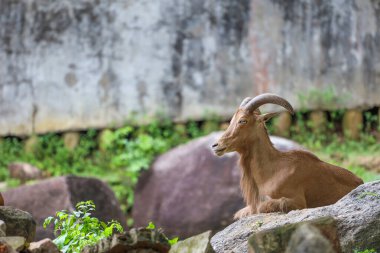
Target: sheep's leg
{"type": "Point", "coordinates": [284, 205]}
{"type": "Point", "coordinates": [246, 211]}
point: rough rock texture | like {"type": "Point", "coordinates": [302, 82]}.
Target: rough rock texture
{"type": "Point", "coordinates": [277, 239]}
{"type": "Point", "coordinates": [44, 246]}
{"type": "Point", "coordinates": [109, 59]}
{"type": "Point", "coordinates": [198, 243]}
{"type": "Point", "coordinates": [357, 216]}
{"type": "Point", "coordinates": [189, 190]}
{"type": "Point", "coordinates": [134, 241]}
{"type": "Point", "coordinates": [49, 196]}
{"type": "Point", "coordinates": [24, 172]}
{"type": "Point", "coordinates": [16, 242]}
{"type": "Point", "coordinates": [3, 228]}
{"type": "Point", "coordinates": [18, 223]}
{"type": "Point", "coordinates": [308, 239]}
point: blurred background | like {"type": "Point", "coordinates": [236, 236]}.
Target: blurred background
{"type": "Point", "coordinates": [109, 89]}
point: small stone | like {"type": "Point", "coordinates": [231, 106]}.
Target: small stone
{"type": "Point", "coordinates": [282, 124]}
{"type": "Point", "coordinates": [24, 172]}
{"type": "Point", "coordinates": [318, 121]}
{"type": "Point", "coordinates": [308, 238]}
{"type": "Point", "coordinates": [199, 243]}
{"type": "Point", "coordinates": [71, 140]}
{"type": "Point", "coordinates": [30, 145]}
{"type": "Point", "coordinates": [16, 242]}
{"type": "Point", "coordinates": [352, 123]}
{"type": "Point", "coordinates": [3, 228]}
{"type": "Point", "coordinates": [43, 246]}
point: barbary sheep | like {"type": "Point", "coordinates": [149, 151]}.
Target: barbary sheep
{"type": "Point", "coordinates": [275, 181]}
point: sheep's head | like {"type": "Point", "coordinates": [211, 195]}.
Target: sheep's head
{"type": "Point", "coordinates": [246, 123]}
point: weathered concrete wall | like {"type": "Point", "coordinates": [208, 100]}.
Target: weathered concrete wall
{"type": "Point", "coordinates": [304, 45]}
{"type": "Point", "coordinates": [76, 64]}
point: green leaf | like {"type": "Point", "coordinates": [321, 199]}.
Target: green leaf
{"type": "Point", "coordinates": [151, 226]}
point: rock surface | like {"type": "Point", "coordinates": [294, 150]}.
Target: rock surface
{"type": "Point", "coordinates": [16, 242]}
{"type": "Point", "coordinates": [44, 246]}
{"type": "Point", "coordinates": [3, 228]}
{"type": "Point", "coordinates": [357, 216]}
{"type": "Point", "coordinates": [134, 241]}
{"type": "Point", "coordinates": [277, 239]}
{"type": "Point", "coordinates": [18, 223]}
{"type": "Point", "coordinates": [195, 244]}
{"type": "Point", "coordinates": [189, 190]}
{"type": "Point", "coordinates": [49, 196]}
{"type": "Point", "coordinates": [309, 239]}
{"type": "Point", "coordinates": [24, 172]}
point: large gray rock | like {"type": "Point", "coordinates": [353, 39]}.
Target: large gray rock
{"type": "Point", "coordinates": [189, 190]}
{"type": "Point", "coordinates": [357, 216]}
{"type": "Point", "coordinates": [49, 196]}
{"type": "Point", "coordinates": [18, 223]}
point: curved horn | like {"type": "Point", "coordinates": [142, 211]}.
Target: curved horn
{"type": "Point", "coordinates": [268, 98]}
{"type": "Point", "coordinates": [245, 101]}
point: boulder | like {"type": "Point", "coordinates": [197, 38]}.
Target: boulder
{"type": "Point", "coordinates": [44, 246]}
{"type": "Point", "coordinates": [198, 243]}
{"type": "Point", "coordinates": [189, 190]}
{"type": "Point", "coordinates": [18, 223]}
{"type": "Point", "coordinates": [62, 193]}
{"type": "Point", "coordinates": [24, 172]}
{"type": "Point", "coordinates": [357, 218]}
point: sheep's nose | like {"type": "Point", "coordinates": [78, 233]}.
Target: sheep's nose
{"type": "Point", "coordinates": [215, 145]}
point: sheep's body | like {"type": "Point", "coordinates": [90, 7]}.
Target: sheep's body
{"type": "Point", "coordinates": [275, 181]}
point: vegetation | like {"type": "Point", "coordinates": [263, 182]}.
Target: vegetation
{"type": "Point", "coordinates": [78, 229]}
{"type": "Point", "coordinates": [119, 156]}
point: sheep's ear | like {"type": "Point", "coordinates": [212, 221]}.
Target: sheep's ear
{"type": "Point", "coordinates": [267, 116]}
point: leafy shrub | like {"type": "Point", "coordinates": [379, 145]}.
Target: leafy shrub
{"type": "Point", "coordinates": [78, 229]}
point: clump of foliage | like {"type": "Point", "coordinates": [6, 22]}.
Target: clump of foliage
{"type": "Point", "coordinates": [172, 241]}
{"type": "Point", "coordinates": [78, 229]}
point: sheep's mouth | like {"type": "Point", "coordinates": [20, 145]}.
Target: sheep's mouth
{"type": "Point", "coordinates": [219, 151]}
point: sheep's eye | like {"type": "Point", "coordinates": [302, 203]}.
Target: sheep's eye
{"type": "Point", "coordinates": [242, 121]}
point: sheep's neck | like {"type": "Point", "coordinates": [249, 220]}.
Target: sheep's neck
{"type": "Point", "coordinates": [256, 162]}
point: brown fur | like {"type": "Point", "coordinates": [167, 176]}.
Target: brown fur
{"type": "Point", "coordinates": [275, 181]}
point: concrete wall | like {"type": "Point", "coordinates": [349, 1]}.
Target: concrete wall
{"type": "Point", "coordinates": [77, 64]}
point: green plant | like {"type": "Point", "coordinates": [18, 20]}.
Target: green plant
{"type": "Point", "coordinates": [78, 229]}
{"type": "Point", "coordinates": [171, 241]}
{"type": "Point", "coordinates": [365, 251]}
